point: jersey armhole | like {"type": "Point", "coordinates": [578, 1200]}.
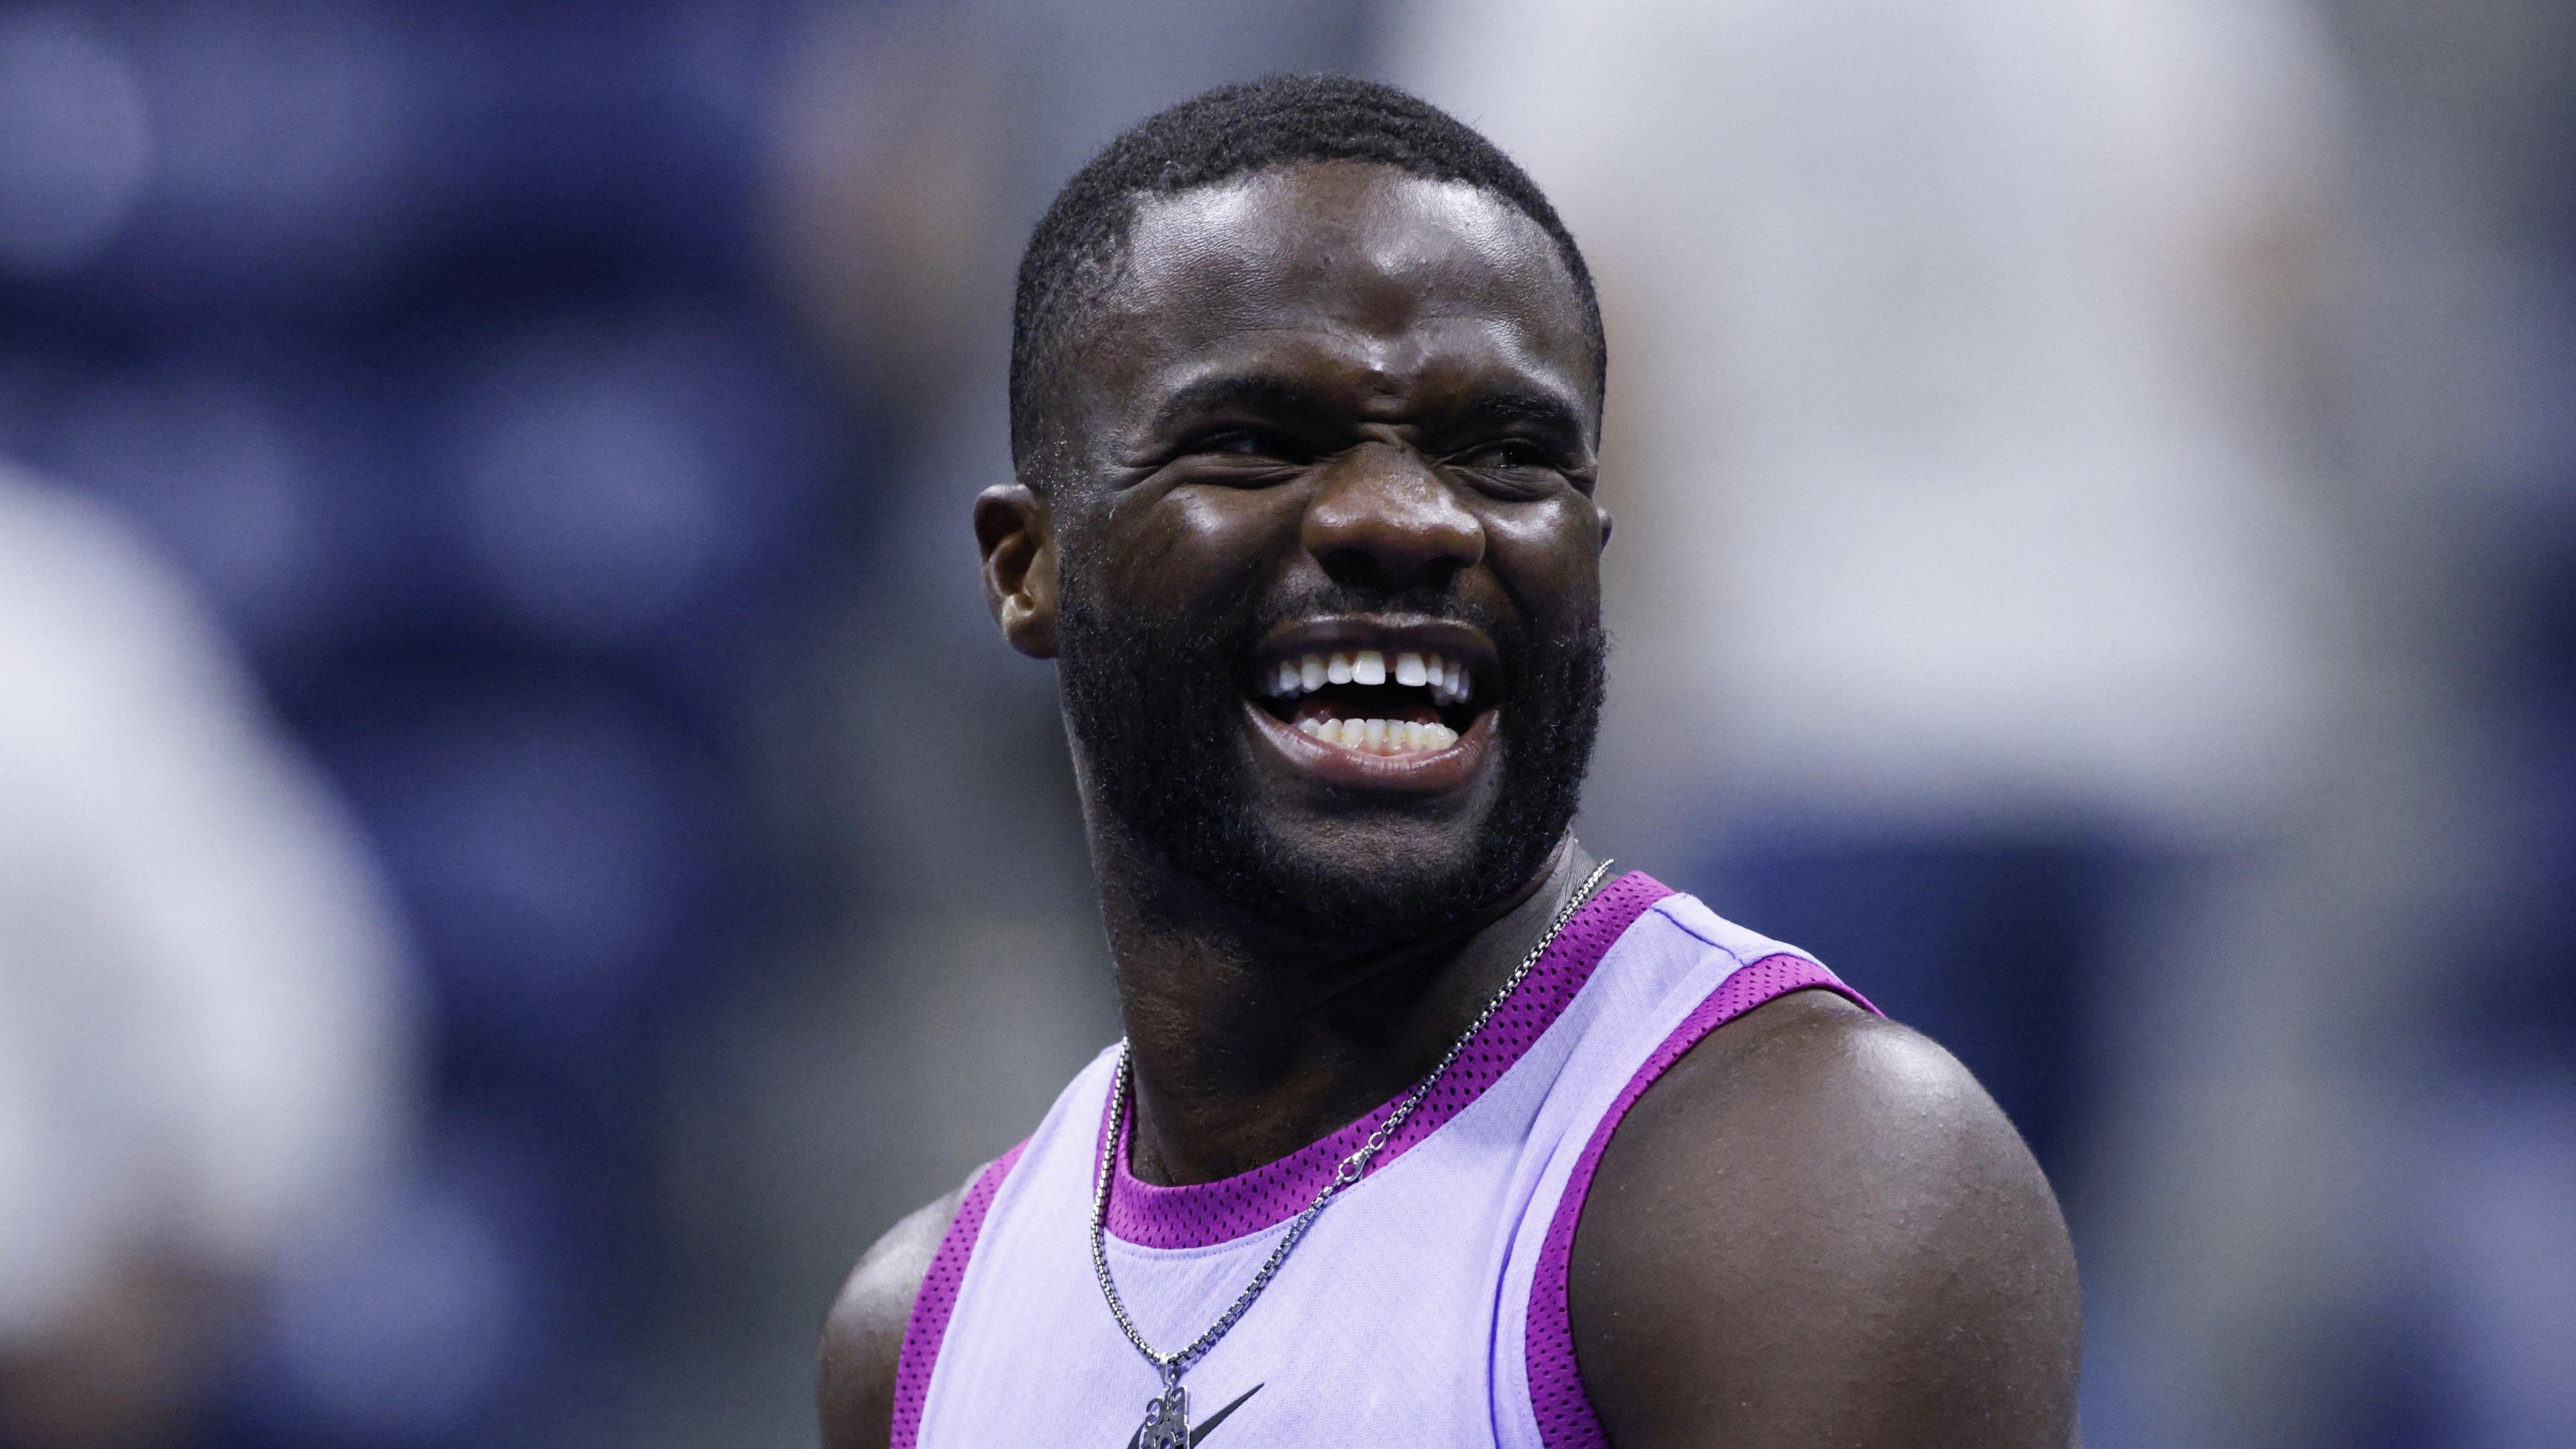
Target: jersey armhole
{"type": "Point", "coordinates": [1557, 1400]}
{"type": "Point", "coordinates": [928, 1325]}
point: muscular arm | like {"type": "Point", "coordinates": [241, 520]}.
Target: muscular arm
{"type": "Point", "coordinates": [854, 1386]}
{"type": "Point", "coordinates": [1818, 1229]}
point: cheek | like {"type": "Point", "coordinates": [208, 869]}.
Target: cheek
{"type": "Point", "coordinates": [1190, 540]}
{"type": "Point", "coordinates": [1548, 556]}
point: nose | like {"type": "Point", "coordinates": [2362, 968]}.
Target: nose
{"type": "Point", "coordinates": [1384, 520]}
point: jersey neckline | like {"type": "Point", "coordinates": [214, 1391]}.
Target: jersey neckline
{"type": "Point", "coordinates": [1206, 1214]}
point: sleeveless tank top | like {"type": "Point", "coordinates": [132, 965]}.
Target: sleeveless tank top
{"type": "Point", "coordinates": [1427, 1305]}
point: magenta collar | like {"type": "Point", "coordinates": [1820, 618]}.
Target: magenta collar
{"type": "Point", "coordinates": [1203, 1214]}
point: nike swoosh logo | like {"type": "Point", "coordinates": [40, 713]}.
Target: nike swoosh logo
{"type": "Point", "coordinates": [1203, 1430]}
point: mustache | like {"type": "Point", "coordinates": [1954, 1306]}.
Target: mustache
{"type": "Point", "coordinates": [1425, 602]}
{"type": "Point", "coordinates": [1241, 620]}
{"type": "Point", "coordinates": [1235, 622]}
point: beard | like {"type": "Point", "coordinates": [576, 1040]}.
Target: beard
{"type": "Point", "coordinates": [1155, 707]}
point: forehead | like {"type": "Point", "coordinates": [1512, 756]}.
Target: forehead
{"type": "Point", "coordinates": [1346, 271]}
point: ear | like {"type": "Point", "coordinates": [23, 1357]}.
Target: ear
{"type": "Point", "coordinates": [1016, 531]}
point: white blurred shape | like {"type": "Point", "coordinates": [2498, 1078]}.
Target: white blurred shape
{"type": "Point", "coordinates": [205, 1029]}
{"type": "Point", "coordinates": [401, 1328]}
{"type": "Point", "coordinates": [75, 142]}
{"type": "Point", "coordinates": [591, 501]}
{"type": "Point", "coordinates": [1956, 484]}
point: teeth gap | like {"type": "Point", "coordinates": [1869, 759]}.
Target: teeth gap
{"type": "Point", "coordinates": [1446, 679]}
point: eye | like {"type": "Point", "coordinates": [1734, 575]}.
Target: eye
{"type": "Point", "coordinates": [1506, 454]}
{"type": "Point", "coordinates": [1238, 455]}
{"type": "Point", "coordinates": [1254, 443]}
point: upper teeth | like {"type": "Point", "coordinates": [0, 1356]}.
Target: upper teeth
{"type": "Point", "coordinates": [1304, 674]}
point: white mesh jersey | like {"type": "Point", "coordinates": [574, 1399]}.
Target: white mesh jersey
{"type": "Point", "coordinates": [1427, 1305]}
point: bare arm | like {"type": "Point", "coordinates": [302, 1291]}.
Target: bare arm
{"type": "Point", "coordinates": [863, 1338]}
{"type": "Point", "coordinates": [1818, 1229]}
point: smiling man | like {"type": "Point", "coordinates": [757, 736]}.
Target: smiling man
{"type": "Point", "coordinates": [1429, 1129]}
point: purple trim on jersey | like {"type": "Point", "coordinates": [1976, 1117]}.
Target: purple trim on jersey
{"type": "Point", "coordinates": [929, 1322]}
{"type": "Point", "coordinates": [1203, 1214]}
{"type": "Point", "coordinates": [1564, 1411]}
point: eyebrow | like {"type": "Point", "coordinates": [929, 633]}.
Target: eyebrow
{"type": "Point", "coordinates": [1266, 394]}
{"type": "Point", "coordinates": [1288, 398]}
{"type": "Point", "coordinates": [1559, 418]}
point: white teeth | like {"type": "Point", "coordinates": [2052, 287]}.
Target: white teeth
{"type": "Point", "coordinates": [1446, 678]}
{"type": "Point", "coordinates": [1380, 736]}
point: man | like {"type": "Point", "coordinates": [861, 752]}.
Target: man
{"type": "Point", "coordinates": [1425, 1131]}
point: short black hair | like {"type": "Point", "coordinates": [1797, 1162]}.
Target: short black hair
{"type": "Point", "coordinates": [1076, 253]}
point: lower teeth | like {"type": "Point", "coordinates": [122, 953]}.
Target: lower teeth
{"type": "Point", "coordinates": [1381, 736]}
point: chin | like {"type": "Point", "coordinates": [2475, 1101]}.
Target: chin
{"type": "Point", "coordinates": [1361, 874]}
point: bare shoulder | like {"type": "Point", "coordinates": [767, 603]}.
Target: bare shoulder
{"type": "Point", "coordinates": [863, 1338]}
{"type": "Point", "coordinates": [1818, 1228]}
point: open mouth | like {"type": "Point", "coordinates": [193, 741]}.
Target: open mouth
{"type": "Point", "coordinates": [1415, 699]}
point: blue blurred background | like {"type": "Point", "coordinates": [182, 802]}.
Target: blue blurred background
{"type": "Point", "coordinates": [520, 853]}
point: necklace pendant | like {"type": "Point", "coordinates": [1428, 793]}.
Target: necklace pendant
{"type": "Point", "coordinates": [1167, 1420]}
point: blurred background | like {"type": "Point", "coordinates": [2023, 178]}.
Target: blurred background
{"type": "Point", "coordinates": [520, 853]}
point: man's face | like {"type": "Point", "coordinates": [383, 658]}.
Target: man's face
{"type": "Point", "coordinates": [1329, 630]}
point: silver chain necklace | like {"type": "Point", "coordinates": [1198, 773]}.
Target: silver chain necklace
{"type": "Point", "coordinates": [1167, 1414]}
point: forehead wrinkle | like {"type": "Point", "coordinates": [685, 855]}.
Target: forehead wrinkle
{"type": "Point", "coordinates": [1328, 366]}
{"type": "Point", "coordinates": [1244, 333]}
{"type": "Point", "coordinates": [1211, 271]}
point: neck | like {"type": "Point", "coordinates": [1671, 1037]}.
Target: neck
{"type": "Point", "coordinates": [1245, 1046]}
